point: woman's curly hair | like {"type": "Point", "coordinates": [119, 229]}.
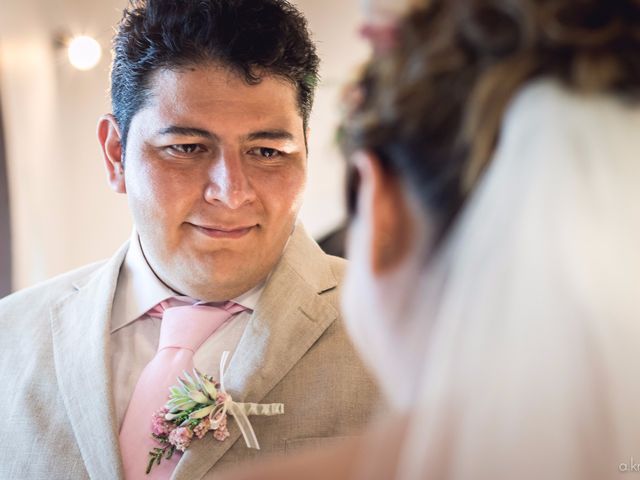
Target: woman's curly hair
{"type": "Point", "coordinates": [432, 107]}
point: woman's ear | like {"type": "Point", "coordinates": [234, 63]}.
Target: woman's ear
{"type": "Point", "coordinates": [110, 141]}
{"type": "Point", "coordinates": [383, 206]}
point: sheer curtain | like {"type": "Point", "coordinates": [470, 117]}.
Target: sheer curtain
{"type": "Point", "coordinates": [5, 224]}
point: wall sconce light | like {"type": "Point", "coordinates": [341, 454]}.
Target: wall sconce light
{"type": "Point", "coordinates": [83, 52]}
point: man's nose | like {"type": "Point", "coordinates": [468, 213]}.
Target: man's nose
{"type": "Point", "coordinates": [228, 182]}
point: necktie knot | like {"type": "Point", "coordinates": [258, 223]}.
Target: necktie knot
{"type": "Point", "coordinates": [188, 326]}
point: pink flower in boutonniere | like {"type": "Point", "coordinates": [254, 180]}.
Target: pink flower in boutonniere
{"type": "Point", "coordinates": [202, 428]}
{"type": "Point", "coordinates": [222, 432]}
{"type": "Point", "coordinates": [181, 438]}
{"type": "Point", "coordinates": [160, 426]}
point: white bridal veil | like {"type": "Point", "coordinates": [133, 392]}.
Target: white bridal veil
{"type": "Point", "coordinates": [532, 366]}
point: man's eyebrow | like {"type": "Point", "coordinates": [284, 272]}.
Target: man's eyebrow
{"type": "Point", "coordinates": [188, 132]}
{"type": "Point", "coordinates": [270, 135]}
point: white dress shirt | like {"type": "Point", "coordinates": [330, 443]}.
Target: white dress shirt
{"type": "Point", "coordinates": [135, 335]}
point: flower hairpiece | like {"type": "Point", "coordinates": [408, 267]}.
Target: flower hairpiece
{"type": "Point", "coordinates": [383, 36]}
{"type": "Point", "coordinates": [198, 404]}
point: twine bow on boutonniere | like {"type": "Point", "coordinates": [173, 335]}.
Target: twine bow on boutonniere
{"type": "Point", "coordinates": [197, 405]}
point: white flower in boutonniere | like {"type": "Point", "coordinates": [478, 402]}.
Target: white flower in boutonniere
{"type": "Point", "coordinates": [197, 405]}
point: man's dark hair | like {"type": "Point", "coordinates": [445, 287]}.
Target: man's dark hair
{"type": "Point", "coordinates": [252, 37]}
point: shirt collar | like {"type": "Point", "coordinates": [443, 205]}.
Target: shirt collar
{"type": "Point", "coordinates": [250, 299]}
{"type": "Point", "coordinates": [139, 289]}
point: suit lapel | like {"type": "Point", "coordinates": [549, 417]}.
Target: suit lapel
{"type": "Point", "coordinates": [80, 329]}
{"type": "Point", "coordinates": [289, 318]}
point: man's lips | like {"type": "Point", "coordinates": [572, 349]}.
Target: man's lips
{"type": "Point", "coordinates": [224, 231]}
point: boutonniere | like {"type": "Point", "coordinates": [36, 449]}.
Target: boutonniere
{"type": "Point", "coordinates": [197, 405]}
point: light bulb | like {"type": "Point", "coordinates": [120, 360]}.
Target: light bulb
{"type": "Point", "coordinates": [84, 52]}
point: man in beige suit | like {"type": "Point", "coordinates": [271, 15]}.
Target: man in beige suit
{"type": "Point", "coordinates": [208, 140]}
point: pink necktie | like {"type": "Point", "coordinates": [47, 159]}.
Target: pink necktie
{"type": "Point", "coordinates": [183, 329]}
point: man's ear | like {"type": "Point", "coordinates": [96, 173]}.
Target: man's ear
{"type": "Point", "coordinates": [110, 141]}
{"type": "Point", "coordinates": [383, 204]}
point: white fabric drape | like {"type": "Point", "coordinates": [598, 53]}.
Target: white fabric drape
{"type": "Point", "coordinates": [532, 366]}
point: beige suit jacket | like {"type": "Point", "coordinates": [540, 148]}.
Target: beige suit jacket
{"type": "Point", "coordinates": [57, 415]}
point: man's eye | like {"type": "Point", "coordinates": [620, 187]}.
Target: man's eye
{"type": "Point", "coordinates": [266, 152]}
{"type": "Point", "coordinates": [185, 149]}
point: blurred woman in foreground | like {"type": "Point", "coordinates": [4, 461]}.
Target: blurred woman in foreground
{"type": "Point", "coordinates": [494, 285]}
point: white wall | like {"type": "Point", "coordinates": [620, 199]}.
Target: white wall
{"type": "Point", "coordinates": [334, 26]}
{"type": "Point", "coordinates": [63, 213]}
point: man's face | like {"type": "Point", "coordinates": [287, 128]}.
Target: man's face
{"type": "Point", "coordinates": [215, 171]}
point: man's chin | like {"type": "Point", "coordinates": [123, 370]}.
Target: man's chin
{"type": "Point", "coordinates": [216, 287]}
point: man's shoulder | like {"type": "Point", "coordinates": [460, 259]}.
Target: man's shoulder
{"type": "Point", "coordinates": [48, 291]}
